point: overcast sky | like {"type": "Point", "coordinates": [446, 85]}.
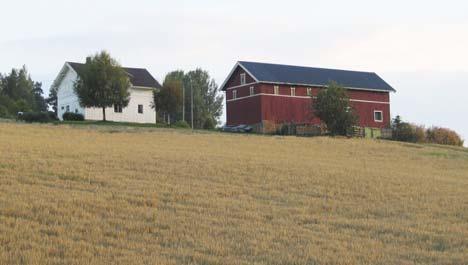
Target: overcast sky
{"type": "Point", "coordinates": [418, 47]}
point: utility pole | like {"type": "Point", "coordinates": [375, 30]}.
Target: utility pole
{"type": "Point", "coordinates": [183, 100]}
{"type": "Point", "coordinates": [191, 100]}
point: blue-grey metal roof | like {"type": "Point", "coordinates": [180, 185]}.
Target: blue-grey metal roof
{"type": "Point", "coordinates": [299, 75]}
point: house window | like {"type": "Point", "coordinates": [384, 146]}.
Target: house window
{"type": "Point", "coordinates": [118, 108]}
{"type": "Point", "coordinates": [252, 90]}
{"type": "Point", "coordinates": [234, 94]}
{"type": "Point", "coordinates": [68, 108]}
{"type": "Point", "coordinates": [76, 110]}
{"type": "Point", "coordinates": [309, 91]}
{"type": "Point", "coordinates": [242, 79]}
{"type": "Point", "coordinates": [63, 107]}
{"type": "Point", "coordinates": [293, 91]}
{"type": "Point", "coordinates": [140, 108]}
{"type": "Point", "coordinates": [276, 90]}
{"type": "Point", "coordinates": [378, 116]}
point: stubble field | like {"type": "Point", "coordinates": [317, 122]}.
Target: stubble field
{"type": "Point", "coordinates": [108, 195]}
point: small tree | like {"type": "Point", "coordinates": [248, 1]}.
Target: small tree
{"type": "Point", "coordinates": [333, 108]}
{"type": "Point", "coordinates": [169, 99]}
{"type": "Point", "coordinates": [102, 83]}
{"type": "Point", "coordinates": [52, 99]}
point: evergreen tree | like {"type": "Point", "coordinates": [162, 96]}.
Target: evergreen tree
{"type": "Point", "coordinates": [52, 99]}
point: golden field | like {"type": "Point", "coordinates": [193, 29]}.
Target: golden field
{"type": "Point", "coordinates": [118, 195]}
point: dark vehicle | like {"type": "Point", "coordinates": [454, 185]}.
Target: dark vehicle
{"type": "Point", "coordinates": [237, 128]}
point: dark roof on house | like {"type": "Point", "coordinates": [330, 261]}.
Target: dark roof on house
{"type": "Point", "coordinates": [138, 76]}
{"type": "Point", "coordinates": [299, 75]}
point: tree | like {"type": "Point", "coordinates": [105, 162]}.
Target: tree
{"type": "Point", "coordinates": [207, 99]}
{"type": "Point", "coordinates": [169, 99]}
{"type": "Point", "coordinates": [18, 92]}
{"type": "Point", "coordinates": [39, 100]}
{"type": "Point", "coordinates": [333, 108]}
{"type": "Point", "coordinates": [52, 99]}
{"type": "Point", "coordinates": [102, 83]}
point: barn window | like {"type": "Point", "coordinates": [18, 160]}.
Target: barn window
{"type": "Point", "coordinates": [309, 91]}
{"type": "Point", "coordinates": [242, 79]}
{"type": "Point", "coordinates": [117, 108]}
{"type": "Point", "coordinates": [293, 91]}
{"type": "Point", "coordinates": [234, 94]}
{"type": "Point", "coordinates": [140, 108]}
{"type": "Point", "coordinates": [276, 90]}
{"type": "Point", "coordinates": [378, 116]}
{"type": "Point", "coordinates": [252, 91]}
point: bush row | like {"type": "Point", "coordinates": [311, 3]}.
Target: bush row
{"type": "Point", "coordinates": [37, 116]}
{"type": "Point", "coordinates": [70, 116]}
{"type": "Point", "coordinates": [408, 132]}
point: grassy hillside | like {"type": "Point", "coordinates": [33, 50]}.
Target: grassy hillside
{"type": "Point", "coordinates": [107, 195]}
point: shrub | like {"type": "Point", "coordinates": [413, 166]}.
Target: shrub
{"type": "Point", "coordinates": [52, 115]}
{"type": "Point", "coordinates": [34, 117]}
{"type": "Point", "coordinates": [181, 124]}
{"type": "Point", "coordinates": [3, 111]}
{"type": "Point", "coordinates": [70, 116]}
{"type": "Point", "coordinates": [407, 132]}
{"type": "Point", "coordinates": [419, 133]}
{"type": "Point", "coordinates": [438, 135]}
{"type": "Point", "coordinates": [209, 124]}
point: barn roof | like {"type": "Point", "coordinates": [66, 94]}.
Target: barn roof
{"type": "Point", "coordinates": [299, 75]}
{"type": "Point", "coordinates": [138, 76]}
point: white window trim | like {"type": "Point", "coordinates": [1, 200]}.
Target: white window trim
{"type": "Point", "coordinates": [381, 115]}
{"type": "Point", "coordinates": [243, 79]}
{"type": "Point", "coordinates": [234, 94]}
{"type": "Point", "coordinates": [309, 91]}
{"type": "Point", "coordinates": [293, 91]}
{"type": "Point", "coordinates": [252, 90]}
{"type": "Point", "coordinates": [276, 90]}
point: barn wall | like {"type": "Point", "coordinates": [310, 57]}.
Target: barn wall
{"type": "Point", "coordinates": [235, 78]}
{"type": "Point", "coordinates": [284, 108]}
{"type": "Point", "coordinates": [244, 111]}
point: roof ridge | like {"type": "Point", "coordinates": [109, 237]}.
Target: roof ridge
{"type": "Point", "coordinates": [312, 67]}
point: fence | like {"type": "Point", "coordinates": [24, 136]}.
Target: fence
{"type": "Point", "coordinates": [268, 127]}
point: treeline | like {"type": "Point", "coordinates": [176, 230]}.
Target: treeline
{"type": "Point", "coordinates": [408, 132]}
{"type": "Point", "coordinates": [182, 90]}
{"type": "Point", "coordinates": [19, 93]}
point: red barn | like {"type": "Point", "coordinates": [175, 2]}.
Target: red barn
{"type": "Point", "coordinates": [259, 92]}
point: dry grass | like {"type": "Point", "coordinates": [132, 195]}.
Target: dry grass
{"type": "Point", "coordinates": [79, 195]}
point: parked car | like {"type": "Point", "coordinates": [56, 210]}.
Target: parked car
{"type": "Point", "coordinates": [237, 128]}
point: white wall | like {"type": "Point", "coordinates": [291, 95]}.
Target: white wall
{"type": "Point", "coordinates": [130, 113]}
{"type": "Point", "coordinates": [66, 96]}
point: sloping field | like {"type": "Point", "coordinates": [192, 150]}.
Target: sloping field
{"type": "Point", "coordinates": [107, 195]}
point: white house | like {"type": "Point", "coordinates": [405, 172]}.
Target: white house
{"type": "Point", "coordinates": [139, 109]}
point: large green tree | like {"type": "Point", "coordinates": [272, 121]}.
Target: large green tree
{"type": "Point", "coordinates": [169, 99]}
{"type": "Point", "coordinates": [207, 99]}
{"type": "Point", "coordinates": [333, 108]}
{"type": "Point", "coordinates": [18, 92]}
{"type": "Point", "coordinates": [102, 83]}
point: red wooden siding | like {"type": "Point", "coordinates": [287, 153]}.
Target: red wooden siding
{"type": "Point", "coordinates": [235, 78]}
{"type": "Point", "coordinates": [283, 108]}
